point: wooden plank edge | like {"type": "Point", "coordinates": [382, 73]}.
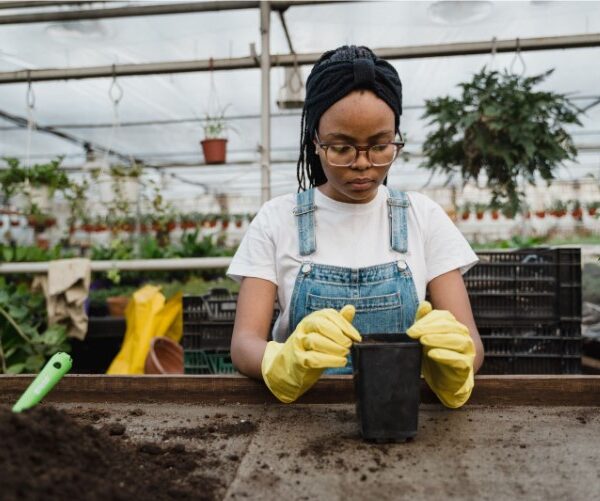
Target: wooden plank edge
{"type": "Point", "coordinates": [489, 390]}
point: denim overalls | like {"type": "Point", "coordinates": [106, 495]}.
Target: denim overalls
{"type": "Point", "coordinates": [384, 295]}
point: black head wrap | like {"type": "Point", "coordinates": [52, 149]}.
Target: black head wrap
{"type": "Point", "coordinates": [336, 74]}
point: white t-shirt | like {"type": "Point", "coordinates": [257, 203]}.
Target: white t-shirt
{"type": "Point", "coordinates": [348, 235]}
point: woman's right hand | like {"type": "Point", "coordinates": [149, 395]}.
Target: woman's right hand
{"type": "Point", "coordinates": [320, 341]}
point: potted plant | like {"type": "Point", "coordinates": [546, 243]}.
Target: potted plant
{"type": "Point", "coordinates": [214, 144]}
{"type": "Point", "coordinates": [592, 208]}
{"type": "Point", "coordinates": [503, 129]}
{"type": "Point", "coordinates": [495, 213]}
{"type": "Point", "coordinates": [576, 210]}
{"type": "Point", "coordinates": [541, 214]}
{"type": "Point", "coordinates": [480, 211]}
{"type": "Point", "coordinates": [238, 220]}
{"type": "Point", "coordinates": [559, 209]}
{"type": "Point", "coordinates": [465, 211]}
{"type": "Point", "coordinates": [225, 219]}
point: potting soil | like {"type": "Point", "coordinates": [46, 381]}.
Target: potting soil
{"type": "Point", "coordinates": [47, 454]}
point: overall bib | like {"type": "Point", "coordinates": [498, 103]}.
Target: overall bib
{"type": "Point", "coordinates": [384, 295]}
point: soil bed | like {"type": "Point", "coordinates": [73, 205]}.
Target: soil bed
{"type": "Point", "coordinates": [232, 451]}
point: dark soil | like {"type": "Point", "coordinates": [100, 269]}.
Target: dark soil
{"type": "Point", "coordinates": [204, 432]}
{"type": "Point", "coordinates": [46, 454]}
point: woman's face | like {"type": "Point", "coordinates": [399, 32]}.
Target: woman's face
{"type": "Point", "coordinates": [360, 118]}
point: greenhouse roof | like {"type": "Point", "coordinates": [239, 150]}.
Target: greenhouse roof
{"type": "Point", "coordinates": [159, 116]}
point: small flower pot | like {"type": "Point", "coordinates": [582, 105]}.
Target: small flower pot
{"type": "Point", "coordinates": [387, 383]}
{"type": "Point", "coordinates": [495, 215]}
{"type": "Point", "coordinates": [116, 305]}
{"type": "Point", "coordinates": [592, 211]}
{"type": "Point", "coordinates": [465, 215]}
{"type": "Point", "coordinates": [164, 357]}
{"type": "Point", "coordinates": [215, 150]}
{"type": "Point", "coordinates": [540, 214]}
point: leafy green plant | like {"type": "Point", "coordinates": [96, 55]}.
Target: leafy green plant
{"type": "Point", "coordinates": [215, 125]}
{"type": "Point", "coordinates": [28, 254]}
{"type": "Point", "coordinates": [503, 128]}
{"type": "Point", "coordinates": [22, 314]}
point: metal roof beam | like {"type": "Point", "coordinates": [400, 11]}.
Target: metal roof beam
{"type": "Point", "coordinates": [410, 52]}
{"type": "Point", "coordinates": [146, 10]}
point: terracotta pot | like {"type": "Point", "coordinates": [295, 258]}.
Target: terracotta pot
{"type": "Point", "coordinates": [215, 150]}
{"type": "Point", "coordinates": [495, 215]}
{"type": "Point", "coordinates": [164, 357]}
{"type": "Point", "coordinates": [225, 224]}
{"type": "Point", "coordinates": [577, 213]}
{"type": "Point", "coordinates": [592, 211]}
{"type": "Point", "coordinates": [541, 214]}
{"type": "Point", "coordinates": [479, 215]}
{"type": "Point", "coordinates": [465, 216]}
{"type": "Point", "coordinates": [116, 305]}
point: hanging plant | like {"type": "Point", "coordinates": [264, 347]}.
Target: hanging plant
{"type": "Point", "coordinates": [559, 208]}
{"type": "Point", "coordinates": [576, 210]}
{"type": "Point", "coordinates": [465, 211]}
{"type": "Point", "coordinates": [592, 208]}
{"type": "Point", "coordinates": [501, 128]}
{"type": "Point", "coordinates": [480, 211]}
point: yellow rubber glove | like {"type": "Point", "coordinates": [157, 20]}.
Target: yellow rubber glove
{"type": "Point", "coordinates": [321, 340]}
{"type": "Point", "coordinates": [448, 354]}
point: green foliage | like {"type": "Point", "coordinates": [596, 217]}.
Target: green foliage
{"type": "Point", "coordinates": [216, 125]}
{"type": "Point", "coordinates": [29, 254]}
{"type": "Point", "coordinates": [97, 298]}
{"type": "Point", "coordinates": [22, 314]}
{"type": "Point", "coordinates": [502, 128]}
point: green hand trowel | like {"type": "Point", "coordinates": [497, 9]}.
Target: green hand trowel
{"type": "Point", "coordinates": [53, 371]}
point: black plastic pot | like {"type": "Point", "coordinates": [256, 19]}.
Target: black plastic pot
{"type": "Point", "coordinates": [387, 382]}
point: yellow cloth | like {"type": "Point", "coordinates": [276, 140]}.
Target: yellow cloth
{"type": "Point", "coordinates": [448, 354]}
{"type": "Point", "coordinates": [147, 316]}
{"type": "Point", "coordinates": [66, 288]}
{"type": "Point", "coordinates": [321, 340]}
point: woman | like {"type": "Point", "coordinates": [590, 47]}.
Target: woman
{"type": "Point", "coordinates": [346, 255]}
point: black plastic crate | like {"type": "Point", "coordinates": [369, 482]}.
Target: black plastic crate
{"type": "Point", "coordinates": [208, 321]}
{"type": "Point", "coordinates": [531, 365]}
{"type": "Point", "coordinates": [101, 345]}
{"type": "Point", "coordinates": [534, 329]}
{"type": "Point", "coordinates": [526, 284]}
{"type": "Point", "coordinates": [536, 348]}
{"type": "Point", "coordinates": [531, 345]}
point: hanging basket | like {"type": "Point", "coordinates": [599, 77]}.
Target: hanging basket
{"type": "Point", "coordinates": [214, 150]}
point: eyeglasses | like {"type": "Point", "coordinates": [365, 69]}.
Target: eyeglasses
{"type": "Point", "coordinates": [344, 155]}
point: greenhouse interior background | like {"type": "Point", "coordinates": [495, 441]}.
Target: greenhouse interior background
{"type": "Point", "coordinates": [104, 107]}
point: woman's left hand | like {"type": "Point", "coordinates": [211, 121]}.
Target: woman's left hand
{"type": "Point", "coordinates": [448, 354]}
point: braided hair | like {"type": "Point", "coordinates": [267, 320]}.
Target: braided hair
{"type": "Point", "coordinates": [336, 74]}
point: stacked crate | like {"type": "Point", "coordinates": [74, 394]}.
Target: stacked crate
{"type": "Point", "coordinates": [207, 329]}
{"type": "Point", "coordinates": [527, 306]}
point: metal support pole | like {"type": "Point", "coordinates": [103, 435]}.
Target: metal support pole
{"type": "Point", "coordinates": [411, 52]}
{"type": "Point", "coordinates": [129, 265]}
{"type": "Point", "coordinates": [143, 10]}
{"type": "Point", "coordinates": [265, 115]}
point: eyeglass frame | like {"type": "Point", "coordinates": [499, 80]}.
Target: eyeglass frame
{"type": "Point", "coordinates": [324, 146]}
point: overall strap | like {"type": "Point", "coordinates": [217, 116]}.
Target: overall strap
{"type": "Point", "coordinates": [398, 207]}
{"type": "Point", "coordinates": [305, 217]}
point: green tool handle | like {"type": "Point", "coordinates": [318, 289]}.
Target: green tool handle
{"type": "Point", "coordinates": [53, 371]}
